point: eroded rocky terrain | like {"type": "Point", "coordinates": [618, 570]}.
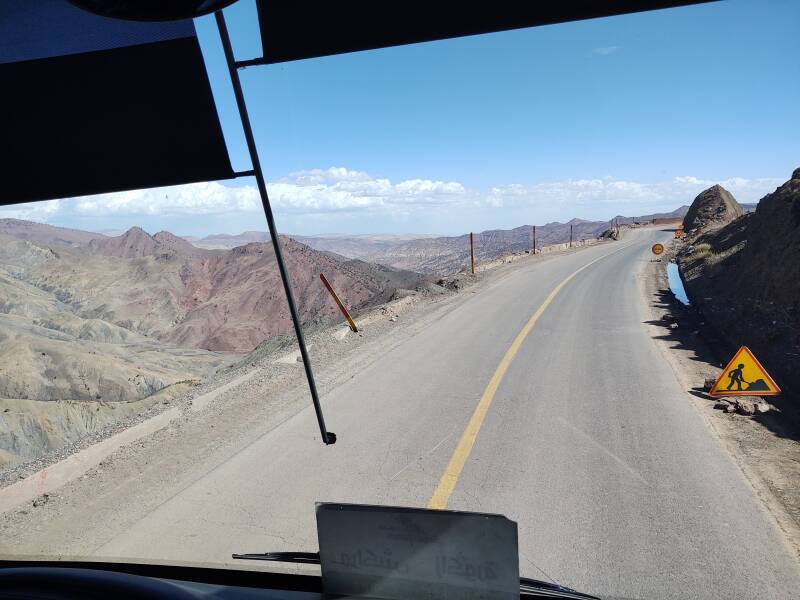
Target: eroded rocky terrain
{"type": "Point", "coordinates": [86, 318]}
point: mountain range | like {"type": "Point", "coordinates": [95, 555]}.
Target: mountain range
{"type": "Point", "coordinates": [434, 254]}
{"type": "Point", "coordinates": [156, 308]}
{"type": "Point", "coordinates": [442, 255]}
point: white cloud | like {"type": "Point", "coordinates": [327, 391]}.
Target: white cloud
{"type": "Point", "coordinates": [329, 175]}
{"type": "Point", "coordinates": [195, 199]}
{"type": "Point", "coordinates": [341, 193]}
{"type": "Point", "coordinates": [586, 192]}
{"type": "Point", "coordinates": [340, 189]}
{"type": "Point", "coordinates": [34, 211]}
{"type": "Point", "coordinates": [606, 50]}
{"type": "Point", "coordinates": [735, 185]}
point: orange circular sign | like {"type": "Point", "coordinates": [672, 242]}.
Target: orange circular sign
{"type": "Point", "coordinates": [657, 249]}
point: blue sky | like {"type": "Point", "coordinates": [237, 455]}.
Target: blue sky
{"type": "Point", "coordinates": [625, 115]}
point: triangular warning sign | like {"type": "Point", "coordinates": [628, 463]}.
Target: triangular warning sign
{"type": "Point", "coordinates": [744, 376]}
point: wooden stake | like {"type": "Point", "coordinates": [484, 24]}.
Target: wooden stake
{"type": "Point", "coordinates": [339, 303]}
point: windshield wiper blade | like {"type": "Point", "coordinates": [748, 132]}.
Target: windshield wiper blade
{"type": "Point", "coordinates": [311, 558]}
{"type": "Point", "coordinates": [542, 588]}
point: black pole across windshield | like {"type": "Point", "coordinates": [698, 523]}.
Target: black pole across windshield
{"type": "Point", "coordinates": [328, 437]}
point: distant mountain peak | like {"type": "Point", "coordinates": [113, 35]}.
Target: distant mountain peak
{"type": "Point", "coordinates": [136, 232]}
{"type": "Point", "coordinates": [134, 243]}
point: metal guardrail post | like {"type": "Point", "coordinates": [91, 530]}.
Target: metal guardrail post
{"type": "Point", "coordinates": [472, 252]}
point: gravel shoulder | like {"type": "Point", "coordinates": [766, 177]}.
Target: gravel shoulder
{"type": "Point", "coordinates": [764, 446]}
{"type": "Point", "coordinates": [238, 407]}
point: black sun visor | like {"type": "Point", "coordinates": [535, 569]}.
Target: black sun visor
{"type": "Point", "coordinates": [92, 104]}
{"type": "Point", "coordinates": [293, 30]}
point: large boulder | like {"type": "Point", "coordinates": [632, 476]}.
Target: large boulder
{"type": "Point", "coordinates": [713, 207]}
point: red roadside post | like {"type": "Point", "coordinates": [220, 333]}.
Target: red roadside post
{"type": "Point", "coordinates": [472, 252]}
{"type": "Point", "coordinates": [339, 302]}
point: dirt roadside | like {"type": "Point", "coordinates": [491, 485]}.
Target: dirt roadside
{"type": "Point", "coordinates": [766, 447]}
{"type": "Point", "coordinates": [239, 408]}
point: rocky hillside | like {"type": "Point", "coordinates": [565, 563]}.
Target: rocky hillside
{"type": "Point", "coordinates": [743, 275]}
{"type": "Point", "coordinates": [96, 328]}
{"type": "Point", "coordinates": [58, 342]}
{"type": "Point", "coordinates": [234, 299]}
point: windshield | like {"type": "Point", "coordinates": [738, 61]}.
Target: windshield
{"type": "Point", "coordinates": [548, 273]}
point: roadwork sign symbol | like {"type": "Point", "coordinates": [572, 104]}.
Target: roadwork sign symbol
{"type": "Point", "coordinates": [657, 249]}
{"type": "Point", "coordinates": [744, 376]}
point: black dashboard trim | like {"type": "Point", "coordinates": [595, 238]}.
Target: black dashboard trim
{"type": "Point", "coordinates": [218, 576]}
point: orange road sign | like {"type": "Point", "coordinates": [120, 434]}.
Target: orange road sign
{"type": "Point", "coordinates": [744, 376]}
{"type": "Point", "coordinates": [657, 249]}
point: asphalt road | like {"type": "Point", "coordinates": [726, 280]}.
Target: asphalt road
{"type": "Point", "coordinates": [617, 483]}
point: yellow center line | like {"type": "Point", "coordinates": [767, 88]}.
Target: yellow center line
{"type": "Point", "coordinates": [460, 455]}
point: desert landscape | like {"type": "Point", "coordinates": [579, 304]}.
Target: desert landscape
{"type": "Point", "coordinates": [90, 324]}
{"type": "Point", "coordinates": [95, 327]}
